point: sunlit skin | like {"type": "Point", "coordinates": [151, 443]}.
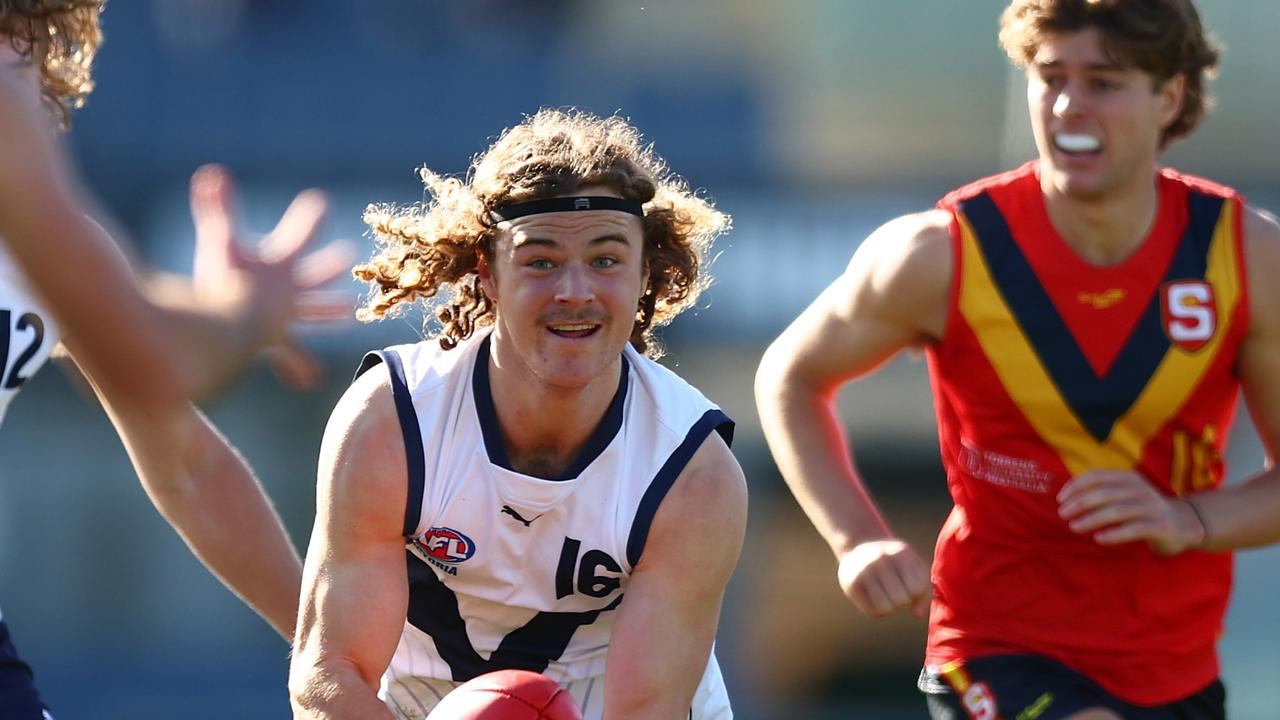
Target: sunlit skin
{"type": "Point", "coordinates": [1097, 127]}
{"type": "Point", "coordinates": [567, 287]}
{"type": "Point", "coordinates": [17, 67]}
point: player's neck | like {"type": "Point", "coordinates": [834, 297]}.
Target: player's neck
{"type": "Point", "coordinates": [8, 56]}
{"type": "Point", "coordinates": [19, 74]}
{"type": "Point", "coordinates": [1107, 229]}
{"type": "Point", "coordinates": [11, 61]}
{"type": "Point", "coordinates": [545, 428]}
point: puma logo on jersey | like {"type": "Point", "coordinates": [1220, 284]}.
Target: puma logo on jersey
{"type": "Point", "coordinates": [1101, 300]}
{"type": "Point", "coordinates": [508, 510]}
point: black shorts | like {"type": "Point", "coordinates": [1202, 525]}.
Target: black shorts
{"type": "Point", "coordinates": [1031, 687]}
{"type": "Point", "coordinates": [18, 697]}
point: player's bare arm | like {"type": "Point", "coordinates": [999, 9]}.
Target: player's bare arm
{"type": "Point", "coordinates": [174, 341]}
{"type": "Point", "coordinates": [893, 295]}
{"type": "Point", "coordinates": [1255, 519]}
{"type": "Point", "coordinates": [354, 587]}
{"type": "Point", "coordinates": [69, 261]}
{"type": "Point", "coordinates": [208, 493]}
{"type": "Point", "coordinates": [667, 621]}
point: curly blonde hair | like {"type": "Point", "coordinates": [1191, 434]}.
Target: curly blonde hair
{"type": "Point", "coordinates": [1163, 38]}
{"type": "Point", "coordinates": [62, 36]}
{"type": "Point", "coordinates": [434, 246]}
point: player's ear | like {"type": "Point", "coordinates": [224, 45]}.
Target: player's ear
{"type": "Point", "coordinates": [1172, 93]}
{"type": "Point", "coordinates": [484, 271]}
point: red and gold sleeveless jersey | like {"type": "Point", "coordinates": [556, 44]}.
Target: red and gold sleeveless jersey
{"type": "Point", "coordinates": [1050, 367]}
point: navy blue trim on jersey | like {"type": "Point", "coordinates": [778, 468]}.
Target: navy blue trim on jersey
{"type": "Point", "coordinates": [433, 609]}
{"type": "Point", "coordinates": [600, 438]}
{"type": "Point", "coordinates": [608, 428]}
{"type": "Point", "coordinates": [1097, 402]}
{"type": "Point", "coordinates": [414, 454]}
{"type": "Point", "coordinates": [713, 419]}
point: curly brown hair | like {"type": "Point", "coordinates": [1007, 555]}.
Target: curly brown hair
{"type": "Point", "coordinates": [435, 245]}
{"type": "Point", "coordinates": [1163, 38]}
{"type": "Point", "coordinates": [62, 36]}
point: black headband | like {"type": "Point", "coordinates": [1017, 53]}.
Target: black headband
{"type": "Point", "coordinates": [566, 204]}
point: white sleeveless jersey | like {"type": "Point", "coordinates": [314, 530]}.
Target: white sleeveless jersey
{"type": "Point", "coordinates": [27, 331]}
{"type": "Point", "coordinates": [27, 334]}
{"type": "Point", "coordinates": [512, 571]}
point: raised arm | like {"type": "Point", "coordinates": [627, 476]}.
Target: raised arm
{"type": "Point", "coordinates": [168, 341]}
{"type": "Point", "coordinates": [667, 621]}
{"type": "Point", "coordinates": [893, 295]}
{"type": "Point", "coordinates": [355, 592]}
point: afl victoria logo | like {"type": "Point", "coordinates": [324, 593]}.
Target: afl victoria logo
{"type": "Point", "coordinates": [446, 545]}
{"type": "Point", "coordinates": [1188, 313]}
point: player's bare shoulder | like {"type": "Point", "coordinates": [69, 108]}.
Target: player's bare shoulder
{"type": "Point", "coordinates": [713, 475]}
{"type": "Point", "coordinates": [710, 500]}
{"type": "Point", "coordinates": [1261, 237]}
{"type": "Point", "coordinates": [918, 244]}
{"type": "Point", "coordinates": [362, 455]}
{"type": "Point", "coordinates": [905, 267]}
{"type": "Point", "coordinates": [1262, 264]}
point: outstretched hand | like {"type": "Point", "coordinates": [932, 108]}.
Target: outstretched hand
{"type": "Point", "coordinates": [884, 576]}
{"type": "Point", "coordinates": [1116, 507]}
{"type": "Point", "coordinates": [273, 284]}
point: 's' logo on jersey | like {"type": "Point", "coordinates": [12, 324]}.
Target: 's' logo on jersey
{"type": "Point", "coordinates": [1188, 313]}
{"type": "Point", "coordinates": [980, 702]}
{"type": "Point", "coordinates": [446, 545]}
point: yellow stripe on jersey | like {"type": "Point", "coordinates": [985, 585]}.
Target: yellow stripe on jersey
{"type": "Point", "coordinates": [1180, 372]}
{"type": "Point", "coordinates": [1028, 382]}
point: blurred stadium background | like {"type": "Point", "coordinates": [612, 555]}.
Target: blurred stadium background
{"type": "Point", "coordinates": [811, 121]}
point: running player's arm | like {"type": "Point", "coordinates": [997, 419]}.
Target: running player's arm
{"type": "Point", "coordinates": [893, 295]}
{"type": "Point", "coordinates": [1248, 514]}
{"type": "Point", "coordinates": [208, 493]}
{"type": "Point", "coordinates": [667, 620]}
{"type": "Point", "coordinates": [167, 343]}
{"type": "Point", "coordinates": [355, 591]}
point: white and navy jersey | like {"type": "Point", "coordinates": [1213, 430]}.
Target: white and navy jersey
{"type": "Point", "coordinates": [27, 332]}
{"type": "Point", "coordinates": [512, 571]}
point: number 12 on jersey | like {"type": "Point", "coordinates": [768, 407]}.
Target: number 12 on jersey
{"type": "Point", "coordinates": [12, 375]}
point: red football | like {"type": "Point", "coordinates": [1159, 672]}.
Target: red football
{"type": "Point", "coordinates": [508, 695]}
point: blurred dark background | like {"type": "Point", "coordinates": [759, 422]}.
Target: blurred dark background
{"type": "Point", "coordinates": [810, 121]}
